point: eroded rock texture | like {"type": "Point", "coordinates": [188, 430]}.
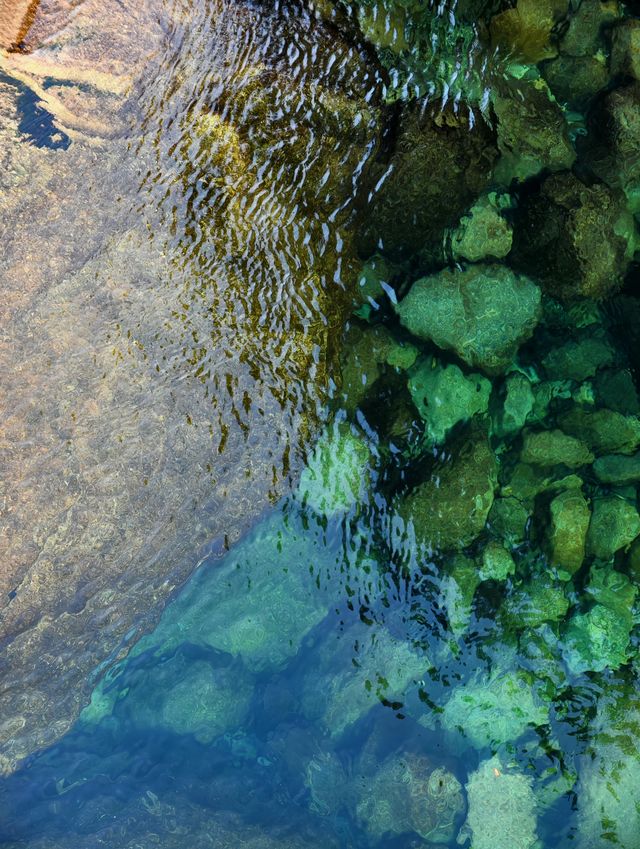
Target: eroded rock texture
{"type": "Point", "coordinates": [169, 288]}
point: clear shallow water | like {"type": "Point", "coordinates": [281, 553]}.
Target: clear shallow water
{"type": "Point", "coordinates": [433, 619]}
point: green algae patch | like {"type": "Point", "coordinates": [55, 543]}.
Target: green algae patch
{"type": "Point", "coordinates": [483, 233]}
{"type": "Point", "coordinates": [541, 599]}
{"type": "Point", "coordinates": [445, 396]}
{"type": "Point", "coordinates": [482, 313]}
{"type": "Point", "coordinates": [618, 469]}
{"type": "Point", "coordinates": [604, 431]}
{"type": "Point", "coordinates": [450, 510]}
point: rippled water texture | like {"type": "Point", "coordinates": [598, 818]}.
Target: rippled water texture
{"type": "Point", "coordinates": [320, 424]}
{"type": "Point", "coordinates": [174, 271]}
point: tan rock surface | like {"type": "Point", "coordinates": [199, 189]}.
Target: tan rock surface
{"type": "Point", "coordinates": [168, 296]}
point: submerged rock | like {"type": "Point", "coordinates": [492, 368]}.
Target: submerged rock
{"type": "Point", "coordinates": [497, 563]}
{"type": "Point", "coordinates": [437, 168]}
{"type": "Point", "coordinates": [618, 469]}
{"type": "Point", "coordinates": [604, 431]}
{"type": "Point", "coordinates": [409, 794]}
{"type": "Point", "coordinates": [614, 525]}
{"type": "Point", "coordinates": [444, 396]}
{"type": "Point", "coordinates": [552, 448]}
{"type": "Point", "coordinates": [450, 509]}
{"type": "Point", "coordinates": [493, 710]}
{"type": "Point", "coordinates": [577, 240]}
{"type": "Point", "coordinates": [502, 808]}
{"type": "Point", "coordinates": [483, 233]}
{"type": "Point", "coordinates": [482, 313]}
{"type": "Point", "coordinates": [567, 531]}
{"type": "Point", "coordinates": [510, 416]}
{"type": "Point", "coordinates": [608, 791]}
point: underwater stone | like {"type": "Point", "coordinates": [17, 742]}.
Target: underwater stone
{"type": "Point", "coordinates": [625, 49]}
{"type": "Point", "coordinates": [367, 350]}
{"type": "Point", "coordinates": [369, 292]}
{"type": "Point", "coordinates": [575, 80]}
{"type": "Point", "coordinates": [337, 475]}
{"type": "Point", "coordinates": [532, 133]}
{"type": "Point", "coordinates": [609, 790]}
{"type": "Point", "coordinates": [616, 390]}
{"type": "Point", "coordinates": [187, 697]}
{"type": "Point", "coordinates": [492, 710]}
{"type": "Point", "coordinates": [497, 563]}
{"type": "Point", "coordinates": [457, 589]}
{"type": "Point", "coordinates": [525, 30]}
{"type": "Point", "coordinates": [567, 531]}
{"type": "Point", "coordinates": [526, 482]}
{"type": "Point", "coordinates": [482, 313]}
{"type": "Point", "coordinates": [409, 794]}
{"type": "Point", "coordinates": [596, 640]}
{"type": "Point", "coordinates": [552, 448]}
{"type": "Point", "coordinates": [610, 148]}
{"type": "Point", "coordinates": [578, 360]}
{"type": "Point", "coordinates": [508, 519]}
{"type": "Point", "coordinates": [502, 809]}
{"type": "Point", "coordinates": [439, 166]}
{"type": "Point", "coordinates": [575, 239]}
{"type": "Point", "coordinates": [354, 672]}
{"type": "Point", "coordinates": [618, 469]}
{"type": "Point", "coordinates": [614, 524]}
{"type": "Point", "coordinates": [483, 233]}
{"type": "Point", "coordinates": [539, 600]}
{"type": "Point", "coordinates": [584, 35]}
{"type": "Point", "coordinates": [444, 396]}
{"type": "Point", "coordinates": [450, 509]}
{"type": "Point", "coordinates": [510, 416]}
{"type": "Point", "coordinates": [604, 431]}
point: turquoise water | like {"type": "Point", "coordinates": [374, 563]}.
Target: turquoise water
{"type": "Point", "coordinates": [387, 297]}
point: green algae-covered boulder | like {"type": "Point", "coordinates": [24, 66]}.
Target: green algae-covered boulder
{"type": "Point", "coordinates": [502, 808]}
{"type": "Point", "coordinates": [578, 360]}
{"type": "Point", "coordinates": [552, 448]}
{"type": "Point", "coordinates": [614, 525]}
{"type": "Point", "coordinates": [575, 239]}
{"type": "Point", "coordinates": [508, 519]}
{"type": "Point", "coordinates": [493, 710]}
{"type": "Point", "coordinates": [483, 313]}
{"type": "Point", "coordinates": [354, 672]}
{"type": "Point", "coordinates": [532, 132]}
{"type": "Point", "coordinates": [409, 794]}
{"type": "Point", "coordinates": [541, 599]}
{"type": "Point", "coordinates": [604, 431]}
{"type": "Point", "coordinates": [336, 476]}
{"type": "Point", "coordinates": [527, 481]}
{"type": "Point", "coordinates": [618, 469]}
{"type": "Point", "coordinates": [609, 789]}
{"type": "Point", "coordinates": [511, 412]}
{"type": "Point", "coordinates": [595, 641]}
{"type": "Point", "coordinates": [497, 563]}
{"type": "Point", "coordinates": [367, 353]}
{"type": "Point", "coordinates": [450, 509]}
{"type": "Point", "coordinates": [566, 537]}
{"type": "Point", "coordinates": [444, 396]}
{"type": "Point", "coordinates": [483, 233]}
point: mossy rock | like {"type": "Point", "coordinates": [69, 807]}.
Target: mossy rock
{"type": "Point", "coordinates": [618, 469]}
{"type": "Point", "coordinates": [508, 519]}
{"type": "Point", "coordinates": [497, 563]}
{"type": "Point", "coordinates": [512, 411]}
{"type": "Point", "coordinates": [450, 510]}
{"type": "Point", "coordinates": [578, 360]}
{"type": "Point", "coordinates": [614, 525]}
{"type": "Point", "coordinates": [604, 431]}
{"type": "Point", "coordinates": [445, 396]}
{"type": "Point", "coordinates": [541, 599]}
{"type": "Point", "coordinates": [566, 537]}
{"type": "Point", "coordinates": [553, 448]}
{"type": "Point", "coordinates": [595, 641]}
{"type": "Point", "coordinates": [483, 313]}
{"type": "Point", "coordinates": [577, 240]}
{"type": "Point", "coordinates": [483, 233]}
